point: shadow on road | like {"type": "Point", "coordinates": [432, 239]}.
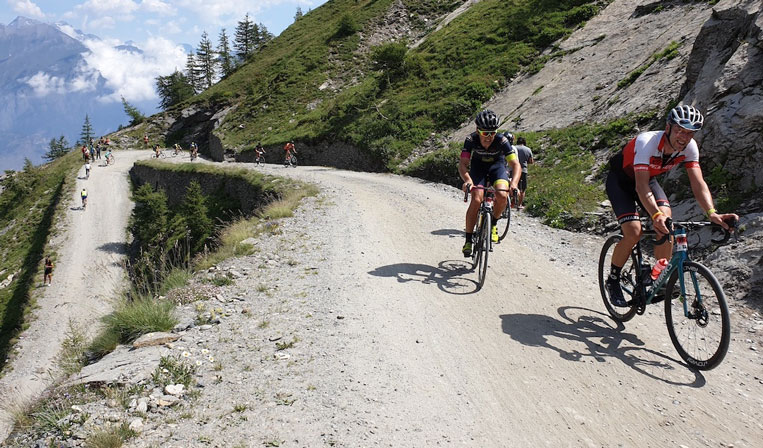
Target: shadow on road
{"type": "Point", "coordinates": [114, 248]}
{"type": "Point", "coordinates": [452, 233]}
{"type": "Point", "coordinates": [448, 275]}
{"type": "Point", "coordinates": [601, 337]}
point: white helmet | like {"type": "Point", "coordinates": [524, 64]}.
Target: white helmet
{"type": "Point", "coordinates": [687, 117]}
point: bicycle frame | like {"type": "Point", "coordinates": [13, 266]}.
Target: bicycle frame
{"type": "Point", "coordinates": [676, 263]}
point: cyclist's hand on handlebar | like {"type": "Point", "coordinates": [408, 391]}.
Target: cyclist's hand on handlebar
{"type": "Point", "coordinates": [660, 225]}
{"type": "Point", "coordinates": [728, 221]}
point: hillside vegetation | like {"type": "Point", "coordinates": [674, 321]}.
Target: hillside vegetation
{"type": "Point", "coordinates": [388, 100]}
{"type": "Point", "coordinates": [28, 205]}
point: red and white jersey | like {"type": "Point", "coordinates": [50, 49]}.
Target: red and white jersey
{"type": "Point", "coordinates": [645, 153]}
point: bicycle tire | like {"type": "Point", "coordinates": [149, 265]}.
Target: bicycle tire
{"type": "Point", "coordinates": [504, 222]}
{"type": "Point", "coordinates": [702, 342]}
{"type": "Point", "coordinates": [485, 249]}
{"type": "Point", "coordinates": [476, 246]}
{"type": "Point", "coordinates": [627, 281]}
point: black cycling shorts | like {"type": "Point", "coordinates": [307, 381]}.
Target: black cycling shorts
{"type": "Point", "coordinates": [482, 173]}
{"type": "Point", "coordinates": [522, 182]}
{"type": "Point", "coordinates": [621, 191]}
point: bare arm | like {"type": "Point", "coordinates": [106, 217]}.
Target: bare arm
{"type": "Point", "coordinates": [705, 198]}
{"type": "Point", "coordinates": [516, 173]}
{"type": "Point", "coordinates": [463, 171]}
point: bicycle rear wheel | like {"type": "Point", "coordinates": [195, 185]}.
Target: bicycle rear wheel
{"type": "Point", "coordinates": [627, 281]}
{"type": "Point", "coordinates": [484, 247]}
{"type": "Point", "coordinates": [503, 223]}
{"type": "Point", "coordinates": [702, 338]}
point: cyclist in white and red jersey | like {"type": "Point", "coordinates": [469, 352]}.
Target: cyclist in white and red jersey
{"type": "Point", "coordinates": [632, 180]}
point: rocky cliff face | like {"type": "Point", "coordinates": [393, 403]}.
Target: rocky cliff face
{"type": "Point", "coordinates": [717, 65]}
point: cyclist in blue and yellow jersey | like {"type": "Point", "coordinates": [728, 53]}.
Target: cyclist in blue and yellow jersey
{"type": "Point", "coordinates": [632, 179]}
{"type": "Point", "coordinates": [484, 161]}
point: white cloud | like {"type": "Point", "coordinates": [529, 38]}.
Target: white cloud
{"type": "Point", "coordinates": [133, 75]}
{"type": "Point", "coordinates": [158, 7]}
{"type": "Point", "coordinates": [43, 84]}
{"type": "Point", "coordinates": [26, 8]}
{"type": "Point", "coordinates": [116, 7]}
{"type": "Point", "coordinates": [103, 22]}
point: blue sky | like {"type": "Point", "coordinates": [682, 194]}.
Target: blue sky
{"type": "Point", "coordinates": [158, 27]}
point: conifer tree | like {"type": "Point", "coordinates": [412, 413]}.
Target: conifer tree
{"type": "Point", "coordinates": [57, 148]}
{"type": "Point", "coordinates": [173, 89]}
{"type": "Point", "coordinates": [224, 56]}
{"type": "Point", "coordinates": [244, 38]}
{"type": "Point", "coordinates": [87, 132]}
{"type": "Point", "coordinates": [263, 36]}
{"type": "Point", "coordinates": [136, 117]}
{"type": "Point", "coordinates": [195, 214]}
{"type": "Point", "coordinates": [298, 14]}
{"type": "Point", "coordinates": [192, 73]}
{"type": "Point", "coordinates": [205, 61]}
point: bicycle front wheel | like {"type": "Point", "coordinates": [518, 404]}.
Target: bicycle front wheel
{"type": "Point", "coordinates": [628, 283]}
{"type": "Point", "coordinates": [503, 223]}
{"type": "Point", "coordinates": [701, 338]}
{"type": "Point", "coordinates": [484, 247]}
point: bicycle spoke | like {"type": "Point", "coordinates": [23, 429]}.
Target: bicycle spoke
{"type": "Point", "coordinates": [627, 281]}
{"type": "Point", "coordinates": [697, 316]}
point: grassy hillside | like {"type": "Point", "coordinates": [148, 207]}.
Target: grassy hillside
{"type": "Point", "coordinates": [389, 100]}
{"type": "Point", "coordinates": [28, 205]}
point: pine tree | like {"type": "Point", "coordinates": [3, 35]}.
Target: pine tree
{"type": "Point", "coordinates": [192, 73]}
{"type": "Point", "coordinates": [195, 214]}
{"type": "Point", "coordinates": [135, 116]}
{"type": "Point", "coordinates": [57, 148]}
{"type": "Point", "coordinates": [205, 60]}
{"type": "Point", "coordinates": [87, 132]}
{"type": "Point", "coordinates": [244, 40]}
{"type": "Point", "coordinates": [224, 56]}
{"type": "Point", "coordinates": [263, 36]}
{"type": "Point", "coordinates": [173, 89]}
{"type": "Point", "coordinates": [298, 14]}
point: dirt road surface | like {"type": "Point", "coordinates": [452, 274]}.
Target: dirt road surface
{"type": "Point", "coordinates": [88, 274]}
{"type": "Point", "coordinates": [397, 348]}
{"type": "Point", "coordinates": [531, 359]}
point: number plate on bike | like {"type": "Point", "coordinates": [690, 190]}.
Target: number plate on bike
{"type": "Point", "coordinates": [681, 243]}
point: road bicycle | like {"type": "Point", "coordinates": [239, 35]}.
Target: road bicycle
{"type": "Point", "coordinates": [696, 312]}
{"type": "Point", "coordinates": [160, 155]}
{"type": "Point", "coordinates": [482, 244]}
{"type": "Point", "coordinates": [259, 160]}
{"type": "Point", "coordinates": [291, 161]}
{"type": "Point", "coordinates": [503, 223]}
{"type": "Point", "coordinates": [110, 160]}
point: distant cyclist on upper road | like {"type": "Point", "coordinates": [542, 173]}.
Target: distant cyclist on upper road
{"type": "Point", "coordinates": [482, 163]}
{"type": "Point", "coordinates": [289, 149]}
{"type": "Point", "coordinates": [632, 179]}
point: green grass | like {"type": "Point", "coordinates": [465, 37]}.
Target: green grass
{"type": "Point", "coordinates": [668, 53]}
{"type": "Point", "coordinates": [390, 108]}
{"type": "Point", "coordinates": [173, 371]}
{"type": "Point", "coordinates": [130, 320]}
{"type": "Point", "coordinates": [29, 205]}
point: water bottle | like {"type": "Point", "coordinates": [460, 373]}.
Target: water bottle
{"type": "Point", "coordinates": [660, 266]}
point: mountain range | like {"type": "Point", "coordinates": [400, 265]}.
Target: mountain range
{"type": "Point", "coordinates": [47, 88]}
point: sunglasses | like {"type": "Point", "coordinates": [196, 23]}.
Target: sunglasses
{"type": "Point", "coordinates": [486, 133]}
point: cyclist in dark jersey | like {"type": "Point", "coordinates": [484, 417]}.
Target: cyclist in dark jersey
{"type": "Point", "coordinates": [484, 160]}
{"type": "Point", "coordinates": [632, 180]}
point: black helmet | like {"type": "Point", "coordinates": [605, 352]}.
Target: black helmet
{"type": "Point", "coordinates": [687, 117]}
{"type": "Point", "coordinates": [509, 136]}
{"type": "Point", "coordinates": [487, 120]}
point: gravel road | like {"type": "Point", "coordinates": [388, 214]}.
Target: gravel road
{"type": "Point", "coordinates": [91, 246]}
{"type": "Point", "coordinates": [392, 346]}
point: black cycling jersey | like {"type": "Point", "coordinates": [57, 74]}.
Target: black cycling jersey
{"type": "Point", "coordinates": [499, 149]}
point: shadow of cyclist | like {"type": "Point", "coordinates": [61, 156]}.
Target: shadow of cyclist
{"type": "Point", "coordinates": [601, 338]}
{"type": "Point", "coordinates": [449, 275]}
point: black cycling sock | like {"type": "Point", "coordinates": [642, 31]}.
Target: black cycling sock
{"type": "Point", "coordinates": [614, 272]}
{"type": "Point", "coordinates": [469, 237]}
